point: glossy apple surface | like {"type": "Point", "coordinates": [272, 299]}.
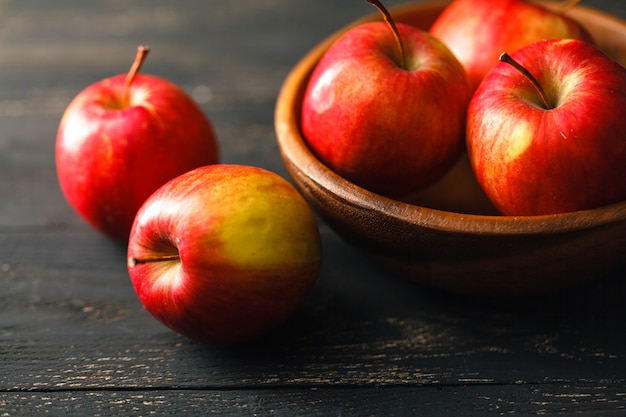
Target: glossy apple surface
{"type": "Point", "coordinates": [389, 124]}
{"type": "Point", "coordinates": [112, 152]}
{"type": "Point", "coordinates": [224, 253]}
{"type": "Point", "coordinates": [533, 159]}
{"type": "Point", "coordinates": [478, 31]}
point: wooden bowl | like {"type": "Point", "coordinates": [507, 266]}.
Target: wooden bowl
{"type": "Point", "coordinates": [449, 236]}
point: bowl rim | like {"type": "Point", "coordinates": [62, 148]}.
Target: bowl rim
{"type": "Point", "coordinates": [293, 147]}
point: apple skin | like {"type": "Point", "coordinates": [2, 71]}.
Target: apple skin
{"type": "Point", "coordinates": [478, 31]}
{"type": "Point", "coordinates": [387, 129]}
{"type": "Point", "coordinates": [110, 155]}
{"type": "Point", "coordinates": [244, 246]}
{"type": "Point", "coordinates": [530, 160]}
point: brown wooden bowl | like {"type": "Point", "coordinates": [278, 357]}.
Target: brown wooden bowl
{"type": "Point", "coordinates": [449, 236]}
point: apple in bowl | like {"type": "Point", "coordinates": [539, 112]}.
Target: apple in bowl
{"type": "Point", "coordinates": [385, 107]}
{"type": "Point", "coordinates": [478, 31]}
{"type": "Point", "coordinates": [547, 130]}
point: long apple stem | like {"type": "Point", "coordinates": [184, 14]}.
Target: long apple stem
{"type": "Point", "coordinates": [394, 29]}
{"type": "Point", "coordinates": [132, 261]}
{"type": "Point", "coordinates": [142, 52]}
{"type": "Point", "coordinates": [506, 58]}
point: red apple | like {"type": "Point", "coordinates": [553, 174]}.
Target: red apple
{"type": "Point", "coordinates": [385, 107]}
{"type": "Point", "coordinates": [122, 138]}
{"type": "Point", "coordinates": [224, 253]}
{"type": "Point", "coordinates": [478, 31]}
{"type": "Point", "coordinates": [547, 134]}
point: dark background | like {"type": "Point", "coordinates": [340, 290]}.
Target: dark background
{"type": "Point", "coordinates": [75, 340]}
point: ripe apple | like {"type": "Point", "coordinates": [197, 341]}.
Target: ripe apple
{"type": "Point", "coordinates": [122, 138]}
{"type": "Point", "coordinates": [224, 253]}
{"type": "Point", "coordinates": [478, 31]}
{"type": "Point", "coordinates": [546, 129]}
{"type": "Point", "coordinates": [385, 107]}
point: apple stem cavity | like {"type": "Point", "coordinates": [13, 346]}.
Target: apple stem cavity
{"type": "Point", "coordinates": [394, 29]}
{"type": "Point", "coordinates": [142, 53]}
{"type": "Point", "coordinates": [506, 58]}
{"type": "Point", "coordinates": [132, 261]}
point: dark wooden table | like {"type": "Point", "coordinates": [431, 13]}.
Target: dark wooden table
{"type": "Point", "coordinates": [74, 339]}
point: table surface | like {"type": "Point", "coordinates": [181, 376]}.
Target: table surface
{"type": "Point", "coordinates": [74, 339]}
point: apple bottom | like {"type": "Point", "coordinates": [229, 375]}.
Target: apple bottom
{"type": "Point", "coordinates": [228, 306]}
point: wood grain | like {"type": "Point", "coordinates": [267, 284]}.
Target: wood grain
{"type": "Point", "coordinates": [472, 401]}
{"type": "Point", "coordinates": [74, 340]}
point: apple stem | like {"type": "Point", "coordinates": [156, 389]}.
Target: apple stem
{"type": "Point", "coordinates": [142, 52]}
{"type": "Point", "coordinates": [506, 58]}
{"type": "Point", "coordinates": [394, 29]}
{"type": "Point", "coordinates": [132, 261]}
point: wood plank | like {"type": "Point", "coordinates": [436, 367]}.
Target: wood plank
{"type": "Point", "coordinates": [71, 320]}
{"type": "Point", "coordinates": [469, 401]}
{"type": "Point", "coordinates": [74, 340]}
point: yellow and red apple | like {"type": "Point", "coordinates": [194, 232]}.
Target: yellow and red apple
{"type": "Point", "coordinates": [546, 130]}
{"type": "Point", "coordinates": [224, 253]}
